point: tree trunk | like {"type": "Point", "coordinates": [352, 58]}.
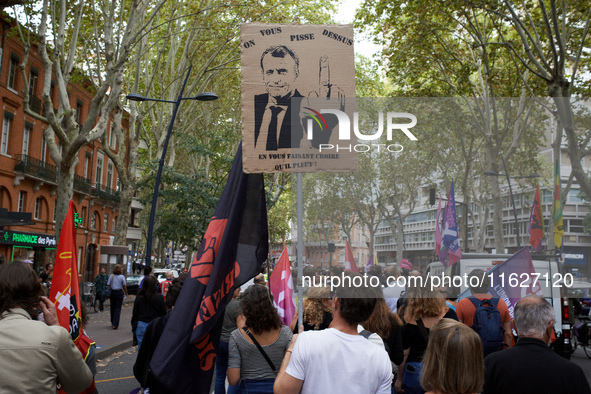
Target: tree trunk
{"type": "Point", "coordinates": [399, 243]}
{"type": "Point", "coordinates": [65, 192]}
{"type": "Point", "coordinates": [125, 199]}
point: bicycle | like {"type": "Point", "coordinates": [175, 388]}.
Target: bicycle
{"type": "Point", "coordinates": [580, 335]}
{"type": "Point", "coordinates": [89, 296]}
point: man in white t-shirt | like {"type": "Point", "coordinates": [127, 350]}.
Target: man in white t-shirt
{"type": "Point", "coordinates": [338, 359]}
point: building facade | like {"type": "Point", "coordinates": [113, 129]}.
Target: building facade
{"type": "Point", "coordinates": [419, 227]}
{"type": "Point", "coordinates": [28, 175]}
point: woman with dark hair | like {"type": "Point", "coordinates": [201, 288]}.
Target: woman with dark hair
{"type": "Point", "coordinates": [148, 305]}
{"type": "Point", "coordinates": [256, 350]}
{"type": "Point", "coordinates": [141, 368]}
{"type": "Point", "coordinates": [118, 293]}
{"type": "Point", "coordinates": [43, 349]}
{"type": "Point", "coordinates": [389, 327]}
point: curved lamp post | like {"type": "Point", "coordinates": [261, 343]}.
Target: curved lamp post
{"type": "Point", "coordinates": [206, 96]}
{"type": "Point", "coordinates": [492, 173]}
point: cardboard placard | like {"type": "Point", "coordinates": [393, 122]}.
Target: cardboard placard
{"type": "Point", "coordinates": [291, 74]}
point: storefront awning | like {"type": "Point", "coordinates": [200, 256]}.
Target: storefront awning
{"type": "Point", "coordinates": [8, 218]}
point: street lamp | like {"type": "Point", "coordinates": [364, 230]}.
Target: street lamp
{"type": "Point", "coordinates": [492, 173]}
{"type": "Point", "coordinates": [206, 96]}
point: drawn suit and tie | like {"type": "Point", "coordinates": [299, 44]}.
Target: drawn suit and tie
{"type": "Point", "coordinates": [273, 123]}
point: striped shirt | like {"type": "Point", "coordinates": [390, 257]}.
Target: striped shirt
{"type": "Point", "coordinates": [116, 282]}
{"type": "Point", "coordinates": [245, 355]}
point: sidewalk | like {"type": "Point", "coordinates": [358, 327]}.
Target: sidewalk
{"type": "Point", "coordinates": [109, 341]}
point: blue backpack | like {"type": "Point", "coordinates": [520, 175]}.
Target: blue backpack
{"type": "Point", "coordinates": [488, 324]}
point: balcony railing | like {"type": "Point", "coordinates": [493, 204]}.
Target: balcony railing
{"type": "Point", "coordinates": [36, 168]}
{"type": "Point", "coordinates": [106, 193]}
{"type": "Point", "coordinates": [81, 184]}
{"type": "Point", "coordinates": [36, 104]}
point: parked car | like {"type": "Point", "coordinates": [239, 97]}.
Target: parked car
{"type": "Point", "coordinates": [133, 282]}
{"type": "Point", "coordinates": [160, 274]}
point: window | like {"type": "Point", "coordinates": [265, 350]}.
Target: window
{"type": "Point", "coordinates": [79, 112]}
{"type": "Point", "coordinates": [83, 216]}
{"type": "Point", "coordinates": [112, 139]}
{"type": "Point", "coordinates": [33, 77]}
{"type": "Point", "coordinates": [86, 164]}
{"type": "Point", "coordinates": [575, 226]}
{"type": "Point", "coordinates": [43, 148]}
{"type": "Point", "coordinates": [114, 224]}
{"type": "Point", "coordinates": [26, 138]}
{"type": "Point", "coordinates": [109, 174]}
{"type": "Point", "coordinates": [80, 251]}
{"type": "Point", "coordinates": [21, 201]}
{"type": "Point", "coordinates": [573, 196]}
{"type": "Point", "coordinates": [106, 223]}
{"type": "Point", "coordinates": [37, 208]}
{"type": "Point", "coordinates": [93, 220]}
{"type": "Point", "coordinates": [99, 170]}
{"type": "Point", "coordinates": [54, 210]}
{"type": "Point", "coordinates": [6, 132]}
{"type": "Point", "coordinates": [12, 70]}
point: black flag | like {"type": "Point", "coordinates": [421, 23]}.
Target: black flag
{"type": "Point", "coordinates": [231, 252]}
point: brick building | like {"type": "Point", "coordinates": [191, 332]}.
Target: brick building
{"type": "Point", "coordinates": [28, 175]}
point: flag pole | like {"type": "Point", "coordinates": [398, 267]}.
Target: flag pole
{"type": "Point", "coordinates": [300, 251]}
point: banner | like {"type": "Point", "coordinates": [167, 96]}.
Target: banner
{"type": "Point", "coordinates": [516, 265]}
{"type": "Point", "coordinates": [282, 66]}
{"type": "Point", "coordinates": [536, 222]}
{"type": "Point", "coordinates": [369, 264]}
{"type": "Point", "coordinates": [438, 225]}
{"type": "Point", "coordinates": [281, 285]}
{"type": "Point", "coordinates": [556, 208]}
{"type": "Point", "coordinates": [231, 252]}
{"type": "Point", "coordinates": [64, 292]}
{"type": "Point", "coordinates": [451, 254]}
{"type": "Point", "coordinates": [350, 264]}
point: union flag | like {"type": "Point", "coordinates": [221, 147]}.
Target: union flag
{"type": "Point", "coordinates": [350, 264]}
{"type": "Point", "coordinates": [281, 285]}
{"type": "Point", "coordinates": [233, 248]}
{"type": "Point", "coordinates": [536, 222]}
{"type": "Point", "coordinates": [65, 293]}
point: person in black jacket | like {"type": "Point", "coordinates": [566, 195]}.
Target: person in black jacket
{"type": "Point", "coordinates": [148, 306]}
{"type": "Point", "coordinates": [531, 366]}
{"type": "Point", "coordinates": [141, 368]}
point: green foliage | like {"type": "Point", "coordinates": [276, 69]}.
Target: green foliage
{"type": "Point", "coordinates": [185, 207]}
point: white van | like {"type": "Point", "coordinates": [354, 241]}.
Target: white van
{"type": "Point", "coordinates": [552, 290]}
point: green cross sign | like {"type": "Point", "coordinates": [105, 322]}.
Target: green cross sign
{"type": "Point", "coordinates": [77, 220]}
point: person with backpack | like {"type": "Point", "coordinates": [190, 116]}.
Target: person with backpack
{"type": "Point", "coordinates": [486, 315]}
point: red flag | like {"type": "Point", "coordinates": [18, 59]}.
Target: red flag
{"type": "Point", "coordinates": [65, 293]}
{"type": "Point", "coordinates": [536, 222]}
{"type": "Point", "coordinates": [350, 264]}
{"type": "Point", "coordinates": [281, 286]}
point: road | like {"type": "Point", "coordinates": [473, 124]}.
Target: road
{"type": "Point", "coordinates": [115, 373]}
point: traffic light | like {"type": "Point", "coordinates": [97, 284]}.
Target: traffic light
{"type": "Point", "coordinates": [432, 196]}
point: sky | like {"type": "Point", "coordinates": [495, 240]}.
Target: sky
{"type": "Point", "coordinates": [346, 15]}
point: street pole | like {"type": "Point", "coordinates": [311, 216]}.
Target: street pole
{"type": "Point", "coordinates": [159, 175]}
{"type": "Point", "coordinates": [300, 250]}
{"type": "Point", "coordinates": [177, 103]}
{"type": "Point", "coordinates": [513, 201]}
